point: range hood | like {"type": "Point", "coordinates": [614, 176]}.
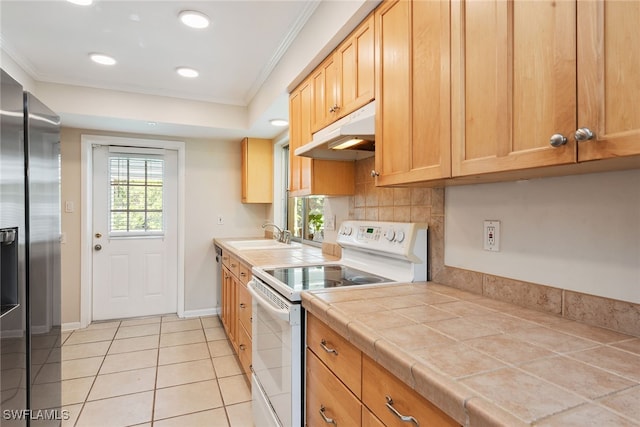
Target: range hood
{"type": "Point", "coordinates": [350, 138]}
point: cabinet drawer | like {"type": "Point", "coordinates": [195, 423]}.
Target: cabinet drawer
{"type": "Point", "coordinates": [244, 350]}
{"type": "Point", "coordinates": [327, 396]}
{"type": "Point", "coordinates": [244, 308]}
{"type": "Point", "coordinates": [226, 259]}
{"type": "Point", "coordinates": [378, 384]}
{"type": "Point", "coordinates": [244, 273]}
{"type": "Point", "coordinates": [234, 265]}
{"type": "Point", "coordinates": [344, 360]}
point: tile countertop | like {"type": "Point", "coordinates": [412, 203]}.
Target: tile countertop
{"type": "Point", "coordinates": [296, 255]}
{"type": "Point", "coordinates": [486, 362]}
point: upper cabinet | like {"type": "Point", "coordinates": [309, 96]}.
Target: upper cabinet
{"type": "Point", "coordinates": [609, 79]}
{"type": "Point", "coordinates": [312, 176]}
{"type": "Point", "coordinates": [412, 92]}
{"type": "Point", "coordinates": [257, 170]}
{"type": "Point", "coordinates": [513, 85]}
{"type": "Point", "coordinates": [355, 61]}
{"type": "Point", "coordinates": [344, 81]}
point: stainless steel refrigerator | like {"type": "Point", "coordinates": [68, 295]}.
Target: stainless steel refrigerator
{"type": "Point", "coordinates": [30, 357]}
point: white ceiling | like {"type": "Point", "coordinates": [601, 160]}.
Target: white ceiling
{"type": "Point", "coordinates": [50, 40]}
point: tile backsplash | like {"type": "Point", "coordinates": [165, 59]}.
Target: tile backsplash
{"type": "Point", "coordinates": [418, 204]}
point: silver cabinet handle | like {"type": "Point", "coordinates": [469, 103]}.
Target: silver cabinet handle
{"type": "Point", "coordinates": [375, 173]}
{"type": "Point", "coordinates": [243, 274]}
{"type": "Point", "coordinates": [403, 418]}
{"type": "Point", "coordinates": [584, 134]}
{"type": "Point", "coordinates": [325, 418]}
{"type": "Point", "coordinates": [557, 140]}
{"type": "Point", "coordinates": [242, 347]}
{"type": "Point", "coordinates": [323, 344]}
{"type": "Point", "coordinates": [242, 305]}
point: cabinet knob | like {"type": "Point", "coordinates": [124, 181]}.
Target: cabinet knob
{"type": "Point", "coordinates": [374, 173]}
{"type": "Point", "coordinates": [584, 134]}
{"type": "Point", "coordinates": [557, 140]}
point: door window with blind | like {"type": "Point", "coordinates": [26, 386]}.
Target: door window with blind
{"type": "Point", "coordinates": [136, 205]}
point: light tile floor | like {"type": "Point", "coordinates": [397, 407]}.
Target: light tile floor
{"type": "Point", "coordinates": [156, 371]}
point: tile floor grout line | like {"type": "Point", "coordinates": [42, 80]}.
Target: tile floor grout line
{"type": "Point", "coordinates": [215, 372]}
{"type": "Point", "coordinates": [95, 377]}
{"type": "Point", "coordinates": [155, 383]}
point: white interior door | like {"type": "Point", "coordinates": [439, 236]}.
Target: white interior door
{"type": "Point", "coordinates": [134, 232]}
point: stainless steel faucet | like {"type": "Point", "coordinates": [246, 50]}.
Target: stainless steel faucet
{"type": "Point", "coordinates": [283, 236]}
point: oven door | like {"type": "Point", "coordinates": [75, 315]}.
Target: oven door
{"type": "Point", "coordinates": [277, 355]}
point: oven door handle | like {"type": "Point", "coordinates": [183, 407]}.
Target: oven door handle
{"type": "Point", "coordinates": [282, 314]}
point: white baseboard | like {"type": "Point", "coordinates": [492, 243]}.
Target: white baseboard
{"type": "Point", "coordinates": [71, 326]}
{"type": "Point", "coordinates": [200, 313]}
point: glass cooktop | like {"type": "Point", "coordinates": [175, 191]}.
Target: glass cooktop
{"type": "Point", "coordinates": [316, 277]}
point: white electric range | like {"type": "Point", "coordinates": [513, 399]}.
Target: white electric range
{"type": "Point", "coordinates": [373, 253]}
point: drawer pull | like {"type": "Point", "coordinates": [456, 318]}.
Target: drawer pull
{"type": "Point", "coordinates": [242, 305]}
{"type": "Point", "coordinates": [242, 347]}
{"type": "Point", "coordinates": [323, 344]}
{"type": "Point", "coordinates": [243, 273]}
{"type": "Point", "coordinates": [403, 418]}
{"type": "Point", "coordinates": [233, 265]}
{"type": "Point", "coordinates": [325, 418]}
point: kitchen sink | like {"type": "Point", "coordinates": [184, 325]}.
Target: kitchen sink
{"type": "Point", "coordinates": [261, 244]}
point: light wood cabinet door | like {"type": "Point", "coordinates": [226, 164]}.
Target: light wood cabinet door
{"type": "Point", "coordinates": [257, 170]}
{"type": "Point", "coordinates": [299, 134]}
{"type": "Point", "coordinates": [229, 306]}
{"type": "Point", "coordinates": [513, 84]}
{"type": "Point", "coordinates": [326, 103]}
{"type": "Point", "coordinates": [609, 78]}
{"type": "Point", "coordinates": [356, 74]}
{"type": "Point", "coordinates": [244, 350]}
{"type": "Point", "coordinates": [244, 308]}
{"type": "Point", "coordinates": [379, 385]}
{"type": "Point", "coordinates": [327, 398]}
{"type": "Point", "coordinates": [413, 142]}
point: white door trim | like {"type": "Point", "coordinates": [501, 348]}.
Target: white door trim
{"type": "Point", "coordinates": [86, 224]}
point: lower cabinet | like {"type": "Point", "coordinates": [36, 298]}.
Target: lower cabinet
{"type": "Point", "coordinates": [345, 387]}
{"type": "Point", "coordinates": [236, 308]}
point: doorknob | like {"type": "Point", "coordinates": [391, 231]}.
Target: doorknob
{"type": "Point", "coordinates": [97, 247]}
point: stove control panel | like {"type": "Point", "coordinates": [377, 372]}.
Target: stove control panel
{"type": "Point", "coordinates": [389, 238]}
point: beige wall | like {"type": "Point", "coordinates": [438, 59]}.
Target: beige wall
{"type": "Point", "coordinates": [212, 187]}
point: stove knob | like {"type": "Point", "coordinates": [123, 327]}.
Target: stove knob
{"type": "Point", "coordinates": [400, 236]}
{"type": "Point", "coordinates": [389, 235]}
{"type": "Point", "coordinates": [347, 231]}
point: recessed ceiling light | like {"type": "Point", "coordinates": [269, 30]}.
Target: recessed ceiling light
{"type": "Point", "coordinates": [102, 59]}
{"type": "Point", "coordinates": [81, 2]}
{"type": "Point", "coordinates": [278, 122]}
{"type": "Point", "coordinates": [187, 72]}
{"type": "Point", "coordinates": [194, 19]}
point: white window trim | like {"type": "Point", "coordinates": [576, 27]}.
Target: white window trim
{"type": "Point", "coordinates": [86, 230]}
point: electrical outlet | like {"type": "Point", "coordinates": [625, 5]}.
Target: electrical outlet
{"type": "Point", "coordinates": [220, 220]}
{"type": "Point", "coordinates": [330, 223]}
{"type": "Point", "coordinates": [491, 235]}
